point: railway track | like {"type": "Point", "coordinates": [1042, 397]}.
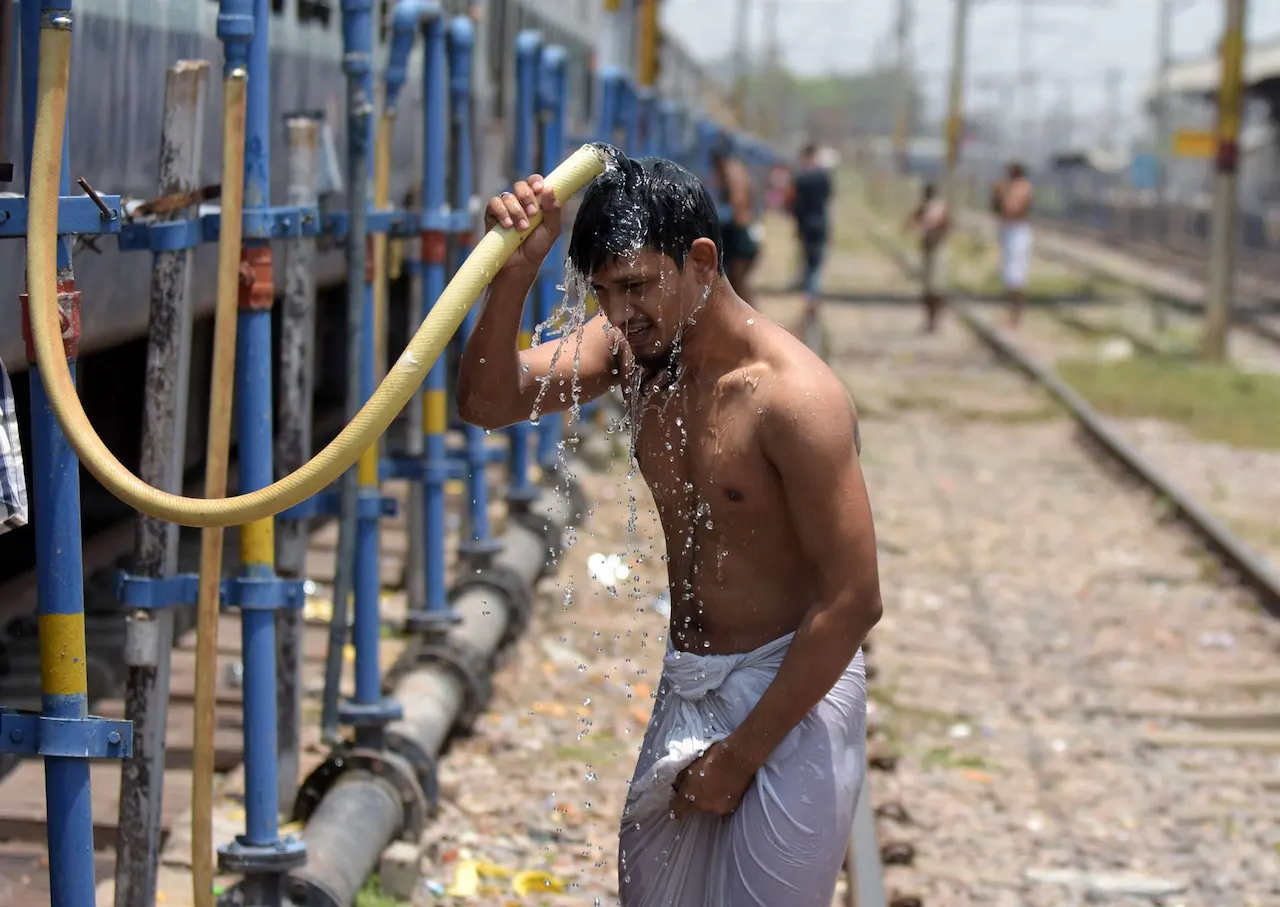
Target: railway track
{"type": "Point", "coordinates": [1185, 255]}
{"type": "Point", "coordinates": [1060, 699]}
{"type": "Point", "coordinates": [1257, 312]}
{"type": "Point", "coordinates": [1254, 570]}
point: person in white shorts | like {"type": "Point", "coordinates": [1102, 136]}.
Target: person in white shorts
{"type": "Point", "coordinates": [1012, 204]}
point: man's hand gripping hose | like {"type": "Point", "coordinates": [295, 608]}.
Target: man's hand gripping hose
{"type": "Point", "coordinates": [391, 396]}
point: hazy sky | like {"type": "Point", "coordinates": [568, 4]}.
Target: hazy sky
{"type": "Point", "coordinates": [1075, 41]}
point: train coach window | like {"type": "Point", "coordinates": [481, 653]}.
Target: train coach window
{"type": "Point", "coordinates": [318, 11]}
{"type": "Point", "coordinates": [277, 7]}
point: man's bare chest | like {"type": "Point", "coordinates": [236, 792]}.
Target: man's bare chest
{"type": "Point", "coordinates": [703, 458]}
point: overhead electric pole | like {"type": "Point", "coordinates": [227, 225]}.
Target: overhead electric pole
{"type": "Point", "coordinates": [1113, 117]}
{"type": "Point", "coordinates": [773, 71]}
{"type": "Point", "coordinates": [740, 61]}
{"type": "Point", "coordinates": [1164, 126]}
{"type": "Point", "coordinates": [955, 101]}
{"type": "Point", "coordinates": [1025, 105]}
{"type": "Point", "coordinates": [902, 126]}
{"type": "Point", "coordinates": [1222, 237]}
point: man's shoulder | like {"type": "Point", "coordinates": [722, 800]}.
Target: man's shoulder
{"type": "Point", "coordinates": [801, 381]}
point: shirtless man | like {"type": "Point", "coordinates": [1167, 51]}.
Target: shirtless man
{"type": "Point", "coordinates": [740, 246]}
{"type": "Point", "coordinates": [933, 220]}
{"type": "Point", "coordinates": [1012, 203]}
{"type": "Point", "coordinates": [751, 765]}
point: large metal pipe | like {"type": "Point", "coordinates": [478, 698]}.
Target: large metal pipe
{"type": "Point", "coordinates": [345, 836]}
{"type": "Point", "coordinates": [358, 809]}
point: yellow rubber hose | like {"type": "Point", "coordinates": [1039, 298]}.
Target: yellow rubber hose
{"type": "Point", "coordinates": [217, 457]}
{"type": "Point", "coordinates": [368, 468]}
{"type": "Point", "coordinates": [392, 394]}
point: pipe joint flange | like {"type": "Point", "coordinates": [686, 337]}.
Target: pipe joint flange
{"type": "Point", "coordinates": [469, 667]}
{"type": "Point", "coordinates": [386, 765]}
{"type": "Point", "coordinates": [431, 622]}
{"type": "Point", "coordinates": [515, 593]}
{"type": "Point", "coordinates": [560, 481]}
{"type": "Point", "coordinates": [519, 500]}
{"type": "Point", "coordinates": [242, 858]}
{"type": "Point", "coordinates": [550, 531]}
{"type": "Point", "coordinates": [421, 762]}
{"type": "Point", "coordinates": [479, 552]}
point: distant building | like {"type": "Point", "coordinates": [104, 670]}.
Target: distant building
{"type": "Point", "coordinates": [1193, 86]}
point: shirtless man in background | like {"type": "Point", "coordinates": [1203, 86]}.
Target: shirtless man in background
{"type": "Point", "coordinates": [932, 218]}
{"type": "Point", "coordinates": [738, 231]}
{"type": "Point", "coordinates": [750, 769]}
{"type": "Point", "coordinates": [1012, 203]}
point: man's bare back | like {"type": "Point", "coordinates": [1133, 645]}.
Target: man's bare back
{"type": "Point", "coordinates": [739, 577]}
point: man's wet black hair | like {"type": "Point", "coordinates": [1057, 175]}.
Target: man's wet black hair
{"type": "Point", "coordinates": [646, 203]}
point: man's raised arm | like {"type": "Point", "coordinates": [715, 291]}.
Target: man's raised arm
{"type": "Point", "coordinates": [498, 383]}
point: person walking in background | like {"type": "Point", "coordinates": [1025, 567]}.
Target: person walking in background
{"type": "Point", "coordinates": [738, 231]}
{"type": "Point", "coordinates": [933, 219]}
{"type": "Point", "coordinates": [811, 193]}
{"type": "Point", "coordinates": [1011, 201]}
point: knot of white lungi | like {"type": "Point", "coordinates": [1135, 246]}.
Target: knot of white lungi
{"type": "Point", "coordinates": [691, 676]}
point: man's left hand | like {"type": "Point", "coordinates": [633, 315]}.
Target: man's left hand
{"type": "Point", "coordinates": [714, 784]}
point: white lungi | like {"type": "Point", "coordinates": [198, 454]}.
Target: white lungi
{"type": "Point", "coordinates": [785, 843]}
{"type": "Point", "coordinates": [933, 269]}
{"type": "Point", "coordinates": [1015, 253]}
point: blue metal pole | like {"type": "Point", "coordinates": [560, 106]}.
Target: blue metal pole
{"type": "Point", "coordinates": [667, 132]}
{"type": "Point", "coordinates": [708, 134]}
{"type": "Point", "coordinates": [481, 544]}
{"type": "Point", "coordinates": [259, 854]}
{"type": "Point", "coordinates": [552, 89]}
{"type": "Point", "coordinates": [435, 407]}
{"type": "Point", "coordinates": [55, 499]}
{"type": "Point", "coordinates": [253, 394]}
{"type": "Point", "coordinates": [631, 118]}
{"type": "Point", "coordinates": [610, 99]}
{"type": "Point", "coordinates": [367, 711]}
{"type": "Point", "coordinates": [520, 492]}
{"type": "Point", "coordinates": [609, 128]}
{"type": "Point", "coordinates": [650, 139]}
{"type": "Point", "coordinates": [366, 629]}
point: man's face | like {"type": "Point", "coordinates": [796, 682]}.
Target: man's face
{"type": "Point", "coordinates": [647, 299]}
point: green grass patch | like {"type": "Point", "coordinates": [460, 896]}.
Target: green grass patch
{"type": "Point", "coordinates": [1039, 286]}
{"type": "Point", "coordinates": [595, 748]}
{"type": "Point", "coordinates": [945, 757]}
{"type": "Point", "coordinates": [372, 895]}
{"type": "Point", "coordinates": [1263, 534]}
{"type": "Point", "coordinates": [1212, 402]}
{"type": "Point", "coordinates": [1023, 416]}
{"type": "Point", "coordinates": [957, 412]}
